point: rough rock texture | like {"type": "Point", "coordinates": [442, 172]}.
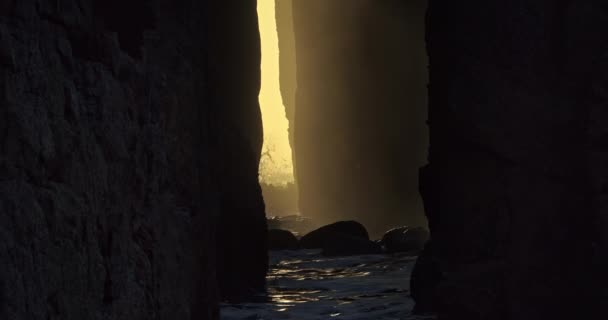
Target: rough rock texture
{"type": "Point", "coordinates": [360, 133]}
{"type": "Point", "coordinates": [110, 145]}
{"type": "Point", "coordinates": [515, 90]}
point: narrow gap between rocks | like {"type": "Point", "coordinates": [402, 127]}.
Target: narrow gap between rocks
{"type": "Point", "coordinates": [349, 249]}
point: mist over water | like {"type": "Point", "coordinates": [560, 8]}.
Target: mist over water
{"type": "Point", "coordinates": [361, 110]}
{"type": "Point", "coordinates": [352, 75]}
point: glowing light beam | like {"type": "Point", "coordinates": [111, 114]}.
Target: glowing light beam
{"type": "Point", "coordinates": [276, 165]}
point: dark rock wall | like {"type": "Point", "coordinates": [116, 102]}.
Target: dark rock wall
{"type": "Point", "coordinates": [589, 21]}
{"type": "Point", "coordinates": [513, 193]}
{"type": "Point", "coordinates": [117, 132]}
{"type": "Point", "coordinates": [235, 70]}
{"type": "Point", "coordinates": [360, 132]}
{"type": "Point", "coordinates": [287, 62]}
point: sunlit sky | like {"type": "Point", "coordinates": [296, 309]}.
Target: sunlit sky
{"type": "Point", "coordinates": [276, 165]}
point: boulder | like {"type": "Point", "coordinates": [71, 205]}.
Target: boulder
{"type": "Point", "coordinates": [282, 240]}
{"type": "Point", "coordinates": [344, 245]}
{"type": "Point", "coordinates": [326, 234]}
{"type": "Point", "coordinates": [405, 239]}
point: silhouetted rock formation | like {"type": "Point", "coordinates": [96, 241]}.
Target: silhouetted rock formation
{"type": "Point", "coordinates": [360, 133]}
{"type": "Point", "coordinates": [405, 239]}
{"type": "Point", "coordinates": [234, 87]}
{"type": "Point", "coordinates": [515, 121]}
{"type": "Point", "coordinates": [282, 240]}
{"type": "Point", "coordinates": [341, 238]}
{"type": "Point", "coordinates": [287, 64]}
{"type": "Point", "coordinates": [320, 237]}
{"type": "Point", "coordinates": [127, 128]}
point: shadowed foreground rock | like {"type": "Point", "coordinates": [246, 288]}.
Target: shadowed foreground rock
{"type": "Point", "coordinates": [112, 133]}
{"type": "Point", "coordinates": [515, 192]}
{"type": "Point", "coordinates": [233, 88]}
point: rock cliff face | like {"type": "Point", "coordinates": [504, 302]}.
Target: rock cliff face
{"type": "Point", "coordinates": [288, 63]}
{"type": "Point", "coordinates": [360, 132]}
{"type": "Point", "coordinates": [514, 91]}
{"type": "Point", "coordinates": [235, 83]}
{"type": "Point", "coordinates": [119, 137]}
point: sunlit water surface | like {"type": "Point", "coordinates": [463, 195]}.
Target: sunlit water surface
{"type": "Point", "coordinates": [305, 285]}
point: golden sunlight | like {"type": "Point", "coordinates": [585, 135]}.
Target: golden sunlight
{"type": "Point", "coordinates": [276, 165]}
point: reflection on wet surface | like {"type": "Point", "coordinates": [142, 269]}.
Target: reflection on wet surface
{"type": "Point", "coordinates": [305, 285]}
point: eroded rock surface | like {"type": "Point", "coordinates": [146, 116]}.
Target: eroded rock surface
{"type": "Point", "coordinates": [109, 149]}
